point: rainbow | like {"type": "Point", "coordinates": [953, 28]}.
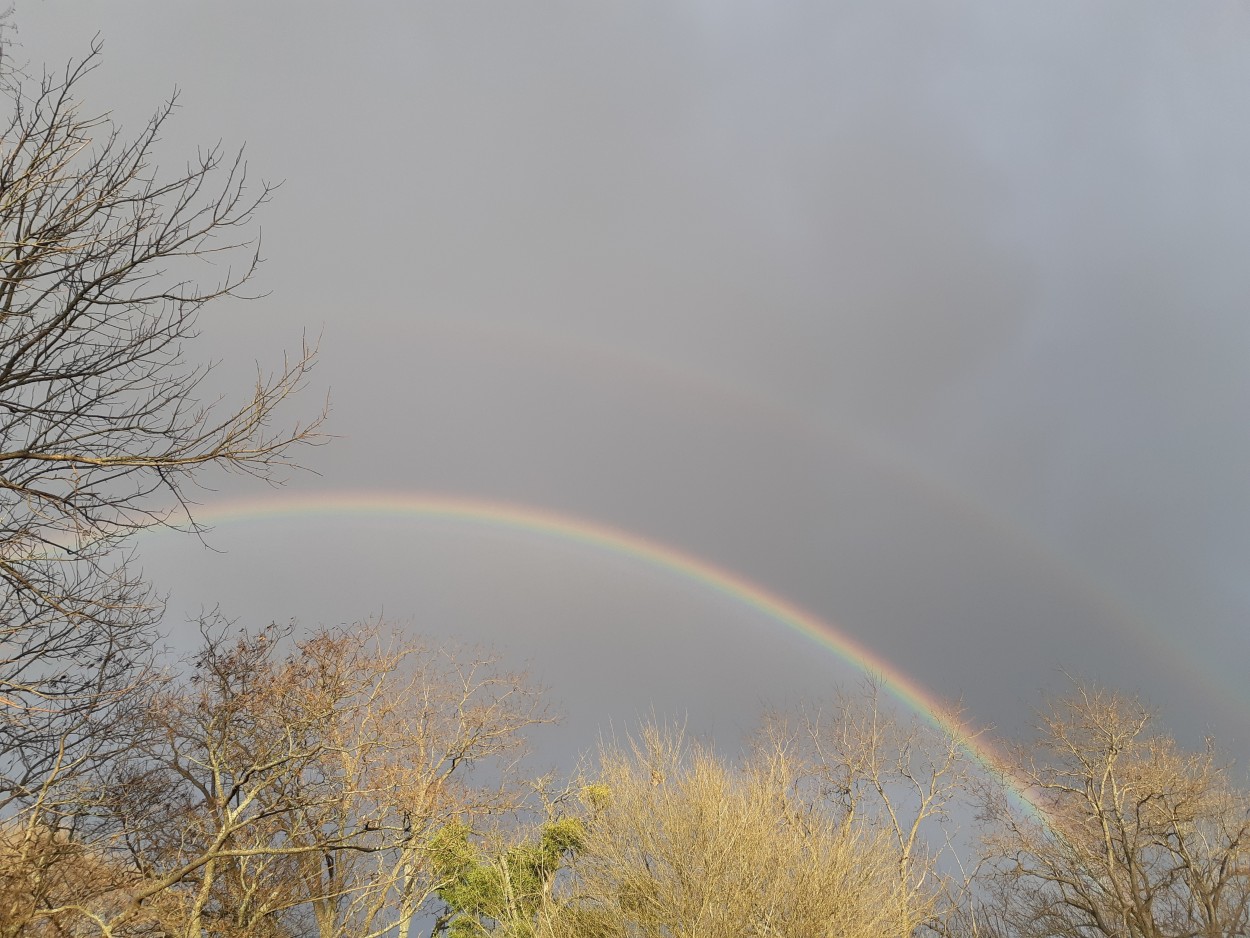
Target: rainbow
{"type": "Point", "coordinates": [613, 540]}
{"type": "Point", "coordinates": [579, 358]}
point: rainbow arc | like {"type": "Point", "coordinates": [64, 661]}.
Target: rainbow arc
{"type": "Point", "coordinates": [610, 539]}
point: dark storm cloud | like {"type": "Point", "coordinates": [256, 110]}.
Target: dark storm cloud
{"type": "Point", "coordinates": [929, 318]}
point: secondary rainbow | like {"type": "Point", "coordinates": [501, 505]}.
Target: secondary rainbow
{"type": "Point", "coordinates": [615, 540]}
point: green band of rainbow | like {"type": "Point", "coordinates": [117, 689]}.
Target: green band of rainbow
{"type": "Point", "coordinates": [614, 540]}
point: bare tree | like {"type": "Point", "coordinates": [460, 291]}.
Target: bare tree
{"type": "Point", "coordinates": [274, 792]}
{"type": "Point", "coordinates": [1135, 839]}
{"type": "Point", "coordinates": [680, 843]}
{"type": "Point", "coordinates": [888, 775]}
{"type": "Point", "coordinates": [103, 421]}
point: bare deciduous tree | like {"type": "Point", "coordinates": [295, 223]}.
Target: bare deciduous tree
{"type": "Point", "coordinates": [1137, 839]}
{"type": "Point", "coordinates": [887, 775]}
{"type": "Point", "coordinates": [103, 425]}
{"type": "Point", "coordinates": [679, 843]}
{"type": "Point", "coordinates": [272, 792]}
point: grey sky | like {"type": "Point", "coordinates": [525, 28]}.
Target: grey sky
{"type": "Point", "coordinates": [931, 318]}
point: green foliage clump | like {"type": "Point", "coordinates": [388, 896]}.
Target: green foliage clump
{"type": "Point", "coordinates": [596, 796]}
{"type": "Point", "coordinates": [499, 893]}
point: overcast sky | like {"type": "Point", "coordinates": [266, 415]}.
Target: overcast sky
{"type": "Point", "coordinates": [931, 318]}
